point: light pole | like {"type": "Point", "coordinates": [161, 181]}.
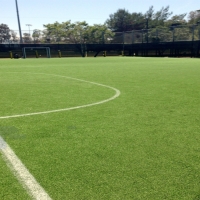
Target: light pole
{"type": "Point", "coordinates": [29, 29]}
{"type": "Point", "coordinates": [20, 32]}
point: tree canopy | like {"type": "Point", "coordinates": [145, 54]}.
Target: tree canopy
{"type": "Point", "coordinates": [123, 20]}
{"type": "Point", "coordinates": [120, 21]}
{"type": "Point", "coordinates": [194, 17]}
{"type": "Point", "coordinates": [78, 32]}
{"type": "Point", "coordinates": [4, 32]}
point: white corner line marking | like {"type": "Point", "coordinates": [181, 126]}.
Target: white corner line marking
{"type": "Point", "coordinates": [22, 173]}
{"type": "Point", "coordinates": [117, 94]}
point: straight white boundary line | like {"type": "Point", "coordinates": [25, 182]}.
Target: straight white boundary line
{"type": "Point", "coordinates": [117, 93]}
{"type": "Point", "coordinates": [22, 173]}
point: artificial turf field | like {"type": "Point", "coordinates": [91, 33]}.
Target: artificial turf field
{"type": "Point", "coordinates": [144, 144]}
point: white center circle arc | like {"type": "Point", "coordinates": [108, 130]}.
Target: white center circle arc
{"type": "Point", "coordinates": [117, 94]}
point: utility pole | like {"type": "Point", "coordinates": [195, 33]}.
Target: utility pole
{"type": "Point", "coordinates": [20, 32]}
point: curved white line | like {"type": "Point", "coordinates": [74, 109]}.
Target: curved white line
{"type": "Point", "coordinates": [117, 93]}
{"type": "Point", "coordinates": [21, 172]}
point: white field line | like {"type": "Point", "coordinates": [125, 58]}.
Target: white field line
{"type": "Point", "coordinates": [22, 173]}
{"type": "Point", "coordinates": [117, 93]}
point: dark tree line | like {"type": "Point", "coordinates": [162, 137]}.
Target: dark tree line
{"type": "Point", "coordinates": [123, 20]}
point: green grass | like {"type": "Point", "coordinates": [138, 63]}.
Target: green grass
{"type": "Point", "coordinates": [142, 145]}
{"type": "Point", "coordinates": [10, 188]}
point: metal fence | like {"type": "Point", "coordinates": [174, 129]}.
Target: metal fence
{"type": "Point", "coordinates": [172, 34]}
{"type": "Point", "coordinates": [155, 35]}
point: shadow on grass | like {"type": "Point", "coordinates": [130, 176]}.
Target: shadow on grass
{"type": "Point", "coordinates": [9, 133]}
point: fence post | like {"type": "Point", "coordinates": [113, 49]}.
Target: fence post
{"type": "Point", "coordinates": [173, 34]}
{"type": "Point", "coordinates": [123, 43]}
{"type": "Point", "coordinates": [103, 38]}
{"type": "Point", "coordinates": [156, 34]}
{"type": "Point", "coordinates": [147, 27]}
{"type": "Point", "coordinates": [193, 27]}
{"type": "Point", "coordinates": [36, 54]}
{"type": "Point", "coordinates": [132, 42]}
{"type": "Point", "coordinates": [11, 54]}
{"type": "Point", "coordinates": [142, 37]}
{"type": "Point", "coordinates": [132, 36]}
{"type": "Point", "coordinates": [59, 54]}
{"type": "Point", "coordinates": [199, 33]}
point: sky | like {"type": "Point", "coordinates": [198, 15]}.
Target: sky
{"type": "Point", "coordinates": [39, 12]}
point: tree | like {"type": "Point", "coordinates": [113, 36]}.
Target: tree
{"type": "Point", "coordinates": [26, 38]}
{"type": "Point", "coordinates": [120, 21]}
{"type": "Point", "coordinates": [56, 32]}
{"type": "Point", "coordinates": [4, 32]}
{"type": "Point", "coordinates": [138, 20]}
{"type": "Point", "coordinates": [98, 34]}
{"type": "Point", "coordinates": [36, 35]}
{"type": "Point", "coordinates": [13, 35]}
{"type": "Point", "coordinates": [194, 22]}
{"type": "Point", "coordinates": [77, 32]}
{"type": "Point", "coordinates": [194, 17]}
{"type": "Point", "coordinates": [150, 13]}
{"type": "Point", "coordinates": [160, 17]}
{"type": "Point", "coordinates": [177, 19]}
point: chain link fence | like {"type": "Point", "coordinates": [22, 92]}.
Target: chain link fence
{"type": "Point", "coordinates": [155, 35]}
{"type": "Point", "coordinates": [172, 34]}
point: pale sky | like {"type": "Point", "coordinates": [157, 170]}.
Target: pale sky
{"type": "Point", "coordinates": [39, 12]}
